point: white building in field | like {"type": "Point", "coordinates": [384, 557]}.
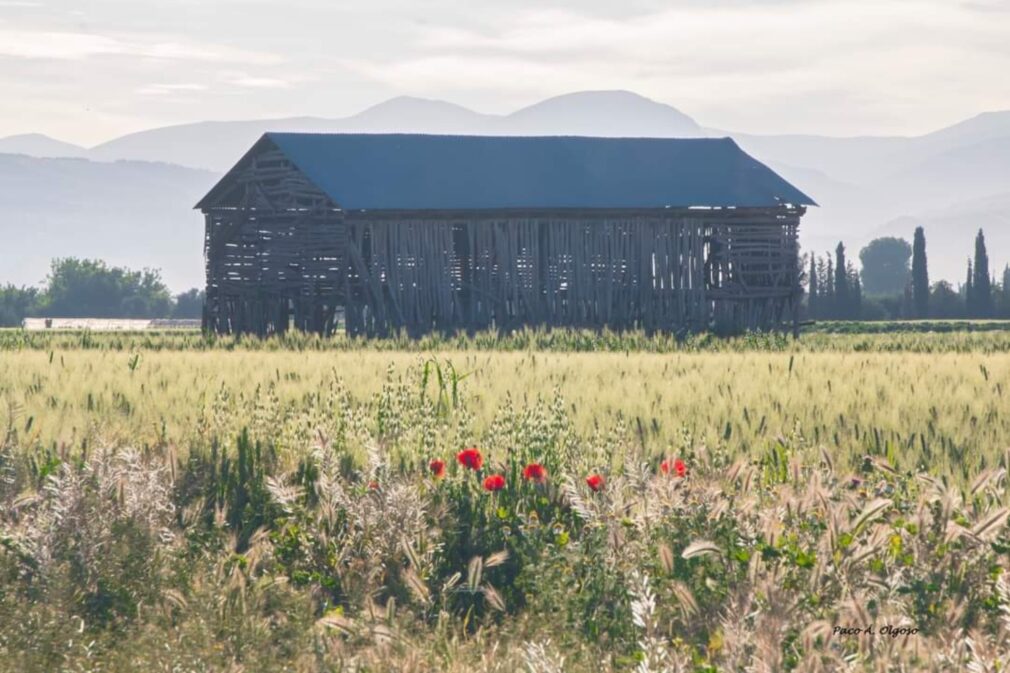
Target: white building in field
{"type": "Point", "coordinates": [107, 324]}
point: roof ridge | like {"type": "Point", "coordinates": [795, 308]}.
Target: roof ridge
{"type": "Point", "coordinates": [721, 139]}
{"type": "Point", "coordinates": [416, 171]}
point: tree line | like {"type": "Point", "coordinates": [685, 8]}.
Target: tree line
{"type": "Point", "coordinates": [89, 288]}
{"type": "Point", "coordinates": [893, 284]}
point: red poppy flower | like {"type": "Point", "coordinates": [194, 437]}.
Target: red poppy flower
{"type": "Point", "coordinates": [535, 472]}
{"type": "Point", "coordinates": [437, 467]}
{"type": "Point", "coordinates": [373, 485]}
{"type": "Point", "coordinates": [494, 482]}
{"type": "Point", "coordinates": [678, 467]}
{"type": "Point", "coordinates": [595, 481]}
{"type": "Point", "coordinates": [470, 458]}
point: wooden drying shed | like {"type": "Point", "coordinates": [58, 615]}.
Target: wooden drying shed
{"type": "Point", "coordinates": [422, 233]}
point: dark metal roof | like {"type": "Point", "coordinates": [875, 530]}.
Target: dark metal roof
{"type": "Point", "coordinates": [425, 172]}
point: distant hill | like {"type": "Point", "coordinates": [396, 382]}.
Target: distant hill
{"type": "Point", "coordinates": [216, 145]}
{"type": "Point", "coordinates": [38, 145]}
{"type": "Point", "coordinates": [864, 185]}
{"type": "Point", "coordinates": [134, 214]}
{"type": "Point", "coordinates": [418, 115]}
{"type": "Point", "coordinates": [211, 146]}
{"type": "Point", "coordinates": [602, 113]}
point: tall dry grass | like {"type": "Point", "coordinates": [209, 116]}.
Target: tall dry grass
{"type": "Point", "coordinates": [295, 525]}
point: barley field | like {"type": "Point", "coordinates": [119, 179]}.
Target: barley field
{"type": "Point", "coordinates": [540, 502]}
{"type": "Point", "coordinates": [944, 412]}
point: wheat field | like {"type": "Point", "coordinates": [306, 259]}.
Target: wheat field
{"type": "Point", "coordinates": [539, 503]}
{"type": "Point", "coordinates": [943, 412]}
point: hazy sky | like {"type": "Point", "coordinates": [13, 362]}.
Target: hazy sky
{"type": "Point", "coordinates": [86, 71]}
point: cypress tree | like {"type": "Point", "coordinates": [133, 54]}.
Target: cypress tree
{"type": "Point", "coordinates": [969, 293]}
{"type": "Point", "coordinates": [842, 298]}
{"type": "Point", "coordinates": [981, 280]}
{"type": "Point", "coordinates": [829, 291]}
{"type": "Point", "coordinates": [823, 286]}
{"type": "Point", "coordinates": [812, 285]}
{"type": "Point", "coordinates": [920, 275]}
{"type": "Point", "coordinates": [855, 307]}
{"type": "Point", "coordinates": [1005, 303]}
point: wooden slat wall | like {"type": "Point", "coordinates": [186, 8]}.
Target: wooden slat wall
{"type": "Point", "coordinates": [275, 254]}
{"type": "Point", "coordinates": [677, 273]}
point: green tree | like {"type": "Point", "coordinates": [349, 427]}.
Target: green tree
{"type": "Point", "coordinates": [855, 307]}
{"type": "Point", "coordinates": [1004, 310]}
{"type": "Point", "coordinates": [17, 303]}
{"type": "Point", "coordinates": [885, 266]}
{"type": "Point", "coordinates": [90, 288]}
{"type": "Point", "coordinates": [842, 295]}
{"type": "Point", "coordinates": [907, 308]}
{"type": "Point", "coordinates": [920, 275]}
{"type": "Point", "coordinates": [981, 282]}
{"type": "Point", "coordinates": [829, 303]}
{"type": "Point", "coordinates": [189, 304]}
{"type": "Point", "coordinates": [945, 302]}
{"type": "Point", "coordinates": [968, 291]}
{"type": "Point", "coordinates": [812, 296]}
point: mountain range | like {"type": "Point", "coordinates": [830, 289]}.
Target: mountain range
{"type": "Point", "coordinates": [129, 200]}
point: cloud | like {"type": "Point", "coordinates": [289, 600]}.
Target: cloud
{"type": "Point", "coordinates": [821, 66]}
{"type": "Point", "coordinates": [166, 89]}
{"type": "Point", "coordinates": [53, 45]}
{"type": "Point", "coordinates": [986, 5]}
{"type": "Point", "coordinates": [255, 82]}
{"type": "Point", "coordinates": [891, 58]}
{"type": "Point", "coordinates": [28, 44]}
